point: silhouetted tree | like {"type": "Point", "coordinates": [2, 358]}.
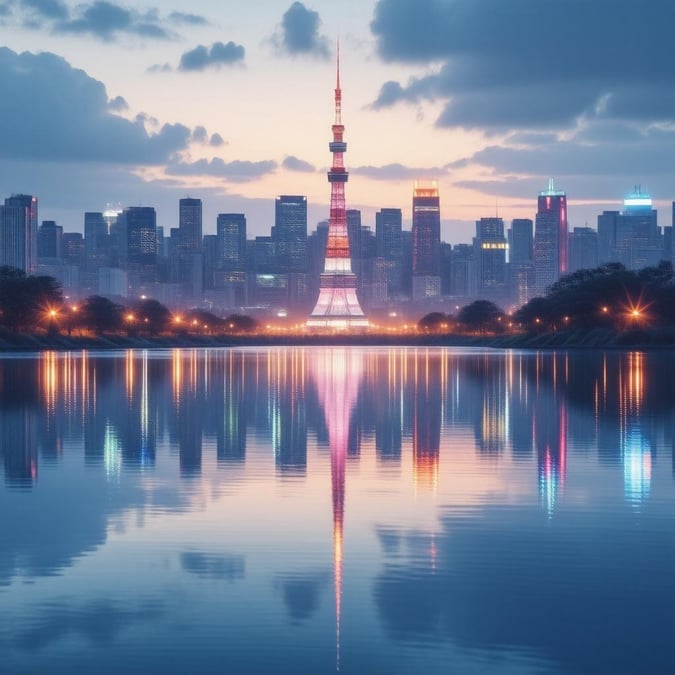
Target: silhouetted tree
{"type": "Point", "coordinates": [101, 315]}
{"type": "Point", "coordinates": [481, 315]}
{"type": "Point", "coordinates": [153, 316]}
{"type": "Point", "coordinates": [26, 300]}
{"type": "Point", "coordinates": [434, 321]}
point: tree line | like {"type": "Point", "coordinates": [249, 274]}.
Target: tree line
{"type": "Point", "coordinates": [29, 303]}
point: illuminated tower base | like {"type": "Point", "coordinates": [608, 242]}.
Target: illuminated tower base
{"type": "Point", "coordinates": [338, 307]}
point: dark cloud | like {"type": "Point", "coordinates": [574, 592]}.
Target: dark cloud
{"type": "Point", "coordinates": [200, 135]}
{"type": "Point", "coordinates": [118, 104]}
{"type": "Point", "coordinates": [217, 141]}
{"type": "Point", "coordinates": [73, 120]}
{"type": "Point", "coordinates": [524, 63]}
{"type": "Point", "coordinates": [397, 171]}
{"type": "Point", "coordinates": [188, 19]}
{"type": "Point", "coordinates": [299, 33]}
{"type": "Point", "coordinates": [106, 20]}
{"type": "Point", "coordinates": [293, 163]}
{"type": "Point", "coordinates": [217, 55]}
{"type": "Point", "coordinates": [5, 9]}
{"type": "Point", "coordinates": [50, 9]}
{"type": "Point", "coordinates": [238, 171]}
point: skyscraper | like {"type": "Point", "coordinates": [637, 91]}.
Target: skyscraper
{"type": "Point", "coordinates": [426, 236]}
{"type": "Point", "coordinates": [490, 254]}
{"type": "Point", "coordinates": [96, 242]}
{"type": "Point", "coordinates": [190, 225]}
{"type": "Point", "coordinates": [583, 244]}
{"type": "Point", "coordinates": [290, 232]}
{"type": "Point", "coordinates": [141, 231]}
{"type": "Point", "coordinates": [338, 305]}
{"type": "Point", "coordinates": [550, 237]}
{"type": "Point", "coordinates": [521, 260]}
{"type": "Point", "coordinates": [388, 234]}
{"type": "Point", "coordinates": [231, 241]}
{"type": "Point", "coordinates": [18, 233]}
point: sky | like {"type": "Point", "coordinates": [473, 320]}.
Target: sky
{"type": "Point", "coordinates": [105, 101]}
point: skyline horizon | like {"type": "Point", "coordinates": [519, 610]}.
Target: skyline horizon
{"type": "Point", "coordinates": [154, 120]}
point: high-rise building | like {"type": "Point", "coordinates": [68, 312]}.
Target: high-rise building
{"type": "Point", "coordinates": [426, 236]}
{"type": "Point", "coordinates": [550, 238]}
{"type": "Point", "coordinates": [231, 241]}
{"type": "Point", "coordinates": [96, 241]}
{"type": "Point", "coordinates": [190, 225]}
{"type": "Point", "coordinates": [141, 236]}
{"type": "Point", "coordinates": [337, 306]}
{"type": "Point", "coordinates": [583, 248]}
{"type": "Point", "coordinates": [49, 241]}
{"type": "Point", "coordinates": [18, 233]}
{"type": "Point", "coordinates": [490, 258]}
{"type": "Point", "coordinates": [389, 238]}
{"type": "Point", "coordinates": [632, 236]}
{"type": "Point", "coordinates": [290, 233]}
{"type": "Point", "coordinates": [521, 260]}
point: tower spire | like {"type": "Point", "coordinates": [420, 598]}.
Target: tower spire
{"type": "Point", "coordinates": [338, 89]}
{"type": "Point", "coordinates": [337, 307]}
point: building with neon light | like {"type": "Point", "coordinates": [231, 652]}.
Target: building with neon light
{"type": "Point", "coordinates": [337, 307]}
{"type": "Point", "coordinates": [550, 238]}
{"type": "Point", "coordinates": [426, 239]}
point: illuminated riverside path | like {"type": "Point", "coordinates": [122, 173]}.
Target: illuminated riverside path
{"type": "Point", "coordinates": [431, 509]}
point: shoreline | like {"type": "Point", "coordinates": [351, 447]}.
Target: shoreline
{"type": "Point", "coordinates": [589, 339]}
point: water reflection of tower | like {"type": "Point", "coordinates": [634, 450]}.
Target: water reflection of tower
{"type": "Point", "coordinates": [231, 431]}
{"type": "Point", "coordinates": [387, 408]}
{"type": "Point", "coordinates": [189, 406]}
{"type": "Point", "coordinates": [427, 419]}
{"type": "Point", "coordinates": [337, 373]}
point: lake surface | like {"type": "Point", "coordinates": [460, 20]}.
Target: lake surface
{"type": "Point", "coordinates": [323, 509]}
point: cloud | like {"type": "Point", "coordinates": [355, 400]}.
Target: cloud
{"type": "Point", "coordinates": [292, 163]}
{"type": "Point", "coordinates": [49, 9]}
{"type": "Point", "coordinates": [216, 141]}
{"type": "Point", "coordinates": [118, 104]}
{"type": "Point", "coordinates": [508, 65]}
{"type": "Point", "coordinates": [60, 130]}
{"type": "Point", "coordinates": [160, 68]}
{"type": "Point", "coordinates": [299, 34]}
{"type": "Point", "coordinates": [188, 19]}
{"type": "Point", "coordinates": [106, 20]}
{"type": "Point", "coordinates": [237, 171]}
{"type": "Point", "coordinates": [219, 54]}
{"type": "Point", "coordinates": [397, 171]}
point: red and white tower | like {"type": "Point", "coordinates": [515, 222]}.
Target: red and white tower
{"type": "Point", "coordinates": [338, 306]}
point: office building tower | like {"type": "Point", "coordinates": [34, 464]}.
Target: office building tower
{"type": "Point", "coordinates": [462, 279]}
{"type": "Point", "coordinates": [72, 253]}
{"type": "Point", "coordinates": [231, 241]}
{"type": "Point", "coordinates": [96, 241]}
{"type": "Point", "coordinates": [190, 225]}
{"type": "Point", "coordinates": [550, 238]}
{"type": "Point", "coordinates": [490, 259]}
{"type": "Point", "coordinates": [521, 279]}
{"type": "Point", "coordinates": [337, 306]}
{"type": "Point", "coordinates": [49, 241]}
{"type": "Point", "coordinates": [141, 237]}
{"type": "Point", "coordinates": [583, 249]}
{"type": "Point", "coordinates": [389, 238]}
{"type": "Point", "coordinates": [631, 237]}
{"type": "Point", "coordinates": [18, 233]}
{"type": "Point", "coordinates": [290, 233]}
{"type": "Point", "coordinates": [426, 236]}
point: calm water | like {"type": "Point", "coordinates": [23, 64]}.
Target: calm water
{"type": "Point", "coordinates": [308, 510]}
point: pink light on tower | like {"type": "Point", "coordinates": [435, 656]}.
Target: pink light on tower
{"type": "Point", "coordinates": [337, 307]}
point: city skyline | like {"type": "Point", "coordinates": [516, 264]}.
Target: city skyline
{"type": "Point", "coordinates": [437, 97]}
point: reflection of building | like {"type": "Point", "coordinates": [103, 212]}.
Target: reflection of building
{"type": "Point", "coordinates": [426, 435]}
{"type": "Point", "coordinates": [550, 437]}
{"type": "Point", "coordinates": [18, 446]}
{"type": "Point", "coordinates": [337, 373]}
{"type": "Point", "coordinates": [289, 415]}
{"type": "Point", "coordinates": [337, 306]}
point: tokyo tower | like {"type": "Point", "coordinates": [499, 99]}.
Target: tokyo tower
{"type": "Point", "coordinates": [338, 306]}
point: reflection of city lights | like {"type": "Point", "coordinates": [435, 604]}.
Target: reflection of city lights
{"type": "Point", "coordinates": [637, 465]}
